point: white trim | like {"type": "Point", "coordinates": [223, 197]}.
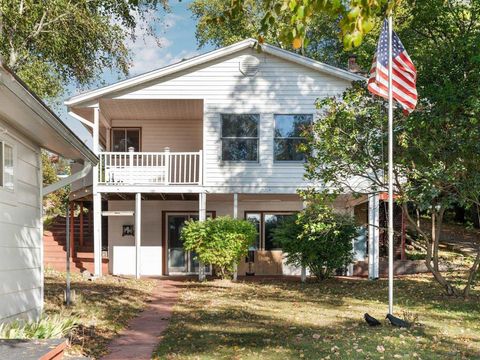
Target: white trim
{"type": "Point", "coordinates": [42, 247]}
{"type": "Point", "coordinates": [138, 233]}
{"type": "Point", "coordinates": [81, 119]}
{"type": "Point", "coordinates": [97, 234]}
{"type": "Point", "coordinates": [68, 180]}
{"type": "Point", "coordinates": [195, 189]}
{"type": "Point", "coordinates": [201, 59]}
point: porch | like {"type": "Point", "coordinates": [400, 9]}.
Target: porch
{"type": "Point", "coordinates": [143, 237]}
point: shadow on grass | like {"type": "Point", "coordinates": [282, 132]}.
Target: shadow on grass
{"type": "Point", "coordinates": [423, 292]}
{"type": "Point", "coordinates": [237, 332]}
{"type": "Point", "coordinates": [212, 323]}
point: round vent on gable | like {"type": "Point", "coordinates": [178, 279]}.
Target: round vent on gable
{"type": "Point", "coordinates": [249, 65]}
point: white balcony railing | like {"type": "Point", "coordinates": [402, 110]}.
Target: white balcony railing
{"type": "Point", "coordinates": [149, 168]}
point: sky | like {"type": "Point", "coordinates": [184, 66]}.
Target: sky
{"type": "Point", "coordinates": [176, 37]}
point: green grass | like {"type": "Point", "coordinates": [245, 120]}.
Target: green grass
{"type": "Point", "coordinates": [102, 308]}
{"type": "Point", "coordinates": [289, 320]}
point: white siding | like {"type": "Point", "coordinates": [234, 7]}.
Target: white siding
{"type": "Point", "coordinates": [21, 277]}
{"type": "Point", "coordinates": [279, 86]}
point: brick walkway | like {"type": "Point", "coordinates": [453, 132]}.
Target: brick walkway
{"type": "Point", "coordinates": [142, 335]}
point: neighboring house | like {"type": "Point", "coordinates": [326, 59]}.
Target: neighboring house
{"type": "Point", "coordinates": [209, 136]}
{"type": "Point", "coordinates": [26, 126]}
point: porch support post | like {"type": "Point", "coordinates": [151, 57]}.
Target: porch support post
{"type": "Point", "coordinates": [202, 216]}
{"type": "Point", "coordinates": [373, 236]}
{"type": "Point", "coordinates": [138, 233]}
{"type": "Point", "coordinates": [235, 206]}
{"type": "Point", "coordinates": [235, 216]}
{"type": "Point", "coordinates": [97, 234]}
{"type": "Point", "coordinates": [96, 130]}
{"type": "Point", "coordinates": [80, 217]}
{"type": "Point", "coordinates": [97, 199]}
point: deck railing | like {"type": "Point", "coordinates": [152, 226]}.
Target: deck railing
{"type": "Point", "coordinates": [150, 168]}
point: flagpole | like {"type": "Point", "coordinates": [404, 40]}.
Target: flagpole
{"type": "Point", "coordinates": [390, 170]}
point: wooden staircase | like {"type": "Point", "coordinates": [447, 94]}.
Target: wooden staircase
{"type": "Point", "coordinates": [55, 251]}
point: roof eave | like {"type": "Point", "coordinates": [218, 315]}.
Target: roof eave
{"type": "Point", "coordinates": [21, 91]}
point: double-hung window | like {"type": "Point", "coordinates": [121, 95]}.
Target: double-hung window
{"type": "Point", "coordinates": [240, 137]}
{"type": "Point", "coordinates": [7, 175]}
{"type": "Point", "coordinates": [288, 136]}
{"type": "Point", "coordinates": [125, 138]}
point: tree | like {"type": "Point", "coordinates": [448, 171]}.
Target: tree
{"type": "Point", "coordinates": [433, 164]}
{"type": "Point", "coordinates": [318, 239]}
{"type": "Point", "coordinates": [220, 242]}
{"type": "Point", "coordinates": [293, 18]}
{"type": "Point", "coordinates": [324, 43]}
{"type": "Point", "coordinates": [51, 43]}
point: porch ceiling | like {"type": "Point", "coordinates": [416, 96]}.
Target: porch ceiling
{"type": "Point", "coordinates": [155, 109]}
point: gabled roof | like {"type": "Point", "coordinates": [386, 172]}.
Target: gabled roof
{"type": "Point", "coordinates": [28, 114]}
{"type": "Point", "coordinates": [212, 55]}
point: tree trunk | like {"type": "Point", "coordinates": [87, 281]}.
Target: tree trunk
{"type": "Point", "coordinates": [472, 275]}
{"type": "Point", "coordinates": [437, 222]}
{"type": "Point", "coordinates": [475, 267]}
{"type": "Point", "coordinates": [430, 250]}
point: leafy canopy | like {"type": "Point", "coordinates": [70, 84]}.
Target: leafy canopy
{"type": "Point", "coordinates": [216, 29]}
{"type": "Point", "coordinates": [51, 43]}
{"type": "Point", "coordinates": [293, 18]}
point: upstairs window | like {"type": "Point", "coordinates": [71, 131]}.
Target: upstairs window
{"type": "Point", "coordinates": [240, 137]}
{"type": "Point", "coordinates": [6, 166]}
{"type": "Point", "coordinates": [288, 136]}
{"type": "Point", "coordinates": [125, 138]}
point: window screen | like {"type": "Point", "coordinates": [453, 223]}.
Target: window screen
{"type": "Point", "coordinates": [240, 137]}
{"type": "Point", "coordinates": [288, 136]}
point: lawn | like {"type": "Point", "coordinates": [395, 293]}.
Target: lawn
{"type": "Point", "coordinates": [289, 320]}
{"type": "Point", "coordinates": [102, 308]}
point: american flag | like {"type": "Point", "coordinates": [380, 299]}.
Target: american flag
{"type": "Point", "coordinates": [404, 72]}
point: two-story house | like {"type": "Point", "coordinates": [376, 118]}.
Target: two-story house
{"type": "Point", "coordinates": [213, 135]}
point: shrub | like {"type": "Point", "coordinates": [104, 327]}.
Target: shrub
{"type": "Point", "coordinates": [318, 238]}
{"type": "Point", "coordinates": [48, 327]}
{"type": "Point", "coordinates": [220, 242]}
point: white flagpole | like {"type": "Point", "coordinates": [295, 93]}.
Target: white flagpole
{"type": "Point", "coordinates": [390, 170]}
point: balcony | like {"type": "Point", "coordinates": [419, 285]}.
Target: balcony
{"type": "Point", "coordinates": [150, 168]}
